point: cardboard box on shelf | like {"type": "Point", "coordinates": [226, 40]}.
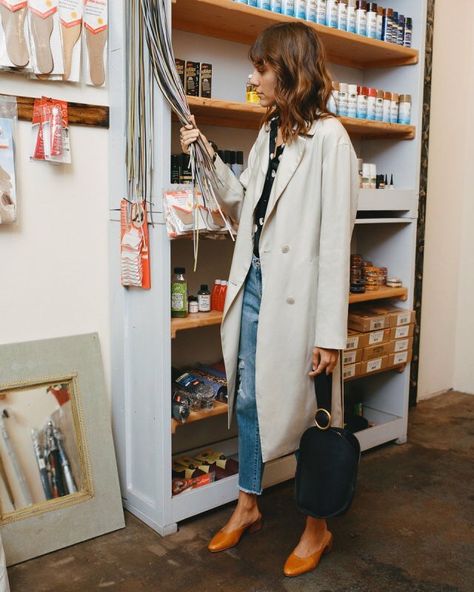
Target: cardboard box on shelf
{"type": "Point", "coordinates": [375, 351]}
{"type": "Point", "coordinates": [358, 339]}
{"type": "Point", "coordinates": [397, 316]}
{"type": "Point", "coordinates": [397, 345]}
{"type": "Point", "coordinates": [402, 357]}
{"type": "Point", "coordinates": [368, 366]}
{"type": "Point", "coordinates": [402, 331]}
{"type": "Point", "coordinates": [351, 370]}
{"type": "Point", "coordinates": [352, 356]}
{"type": "Point", "coordinates": [365, 319]}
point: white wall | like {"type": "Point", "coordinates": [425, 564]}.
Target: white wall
{"type": "Point", "coordinates": [447, 321]}
{"type": "Point", "coordinates": [54, 261]}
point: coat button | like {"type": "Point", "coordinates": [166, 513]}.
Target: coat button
{"type": "Point", "coordinates": [285, 249]}
{"type": "Point", "coordinates": [290, 300]}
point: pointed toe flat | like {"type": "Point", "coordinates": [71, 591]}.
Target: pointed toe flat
{"type": "Point", "coordinates": [226, 540]}
{"type": "Point", "coordinates": [295, 565]}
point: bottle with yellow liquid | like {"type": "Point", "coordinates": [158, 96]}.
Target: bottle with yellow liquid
{"type": "Point", "coordinates": [250, 94]}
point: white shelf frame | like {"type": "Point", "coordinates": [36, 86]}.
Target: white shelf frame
{"type": "Point", "coordinates": [140, 342]}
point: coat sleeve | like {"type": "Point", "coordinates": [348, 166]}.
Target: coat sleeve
{"type": "Point", "coordinates": [339, 198]}
{"type": "Point", "coordinates": [230, 192]}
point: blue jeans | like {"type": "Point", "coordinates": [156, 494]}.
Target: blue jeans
{"type": "Point", "coordinates": [250, 452]}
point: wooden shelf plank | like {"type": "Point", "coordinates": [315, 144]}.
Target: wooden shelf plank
{"type": "Point", "coordinates": [218, 408]}
{"type": "Point", "coordinates": [214, 317]}
{"type": "Point", "coordinates": [195, 320]}
{"type": "Point", "coordinates": [248, 116]}
{"type": "Point", "coordinates": [241, 23]}
{"type": "Point", "coordinates": [384, 292]}
{"type": "Point", "coordinates": [79, 113]}
{"type": "Point", "coordinates": [398, 368]}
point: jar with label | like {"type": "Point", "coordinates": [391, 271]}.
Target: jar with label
{"type": "Point", "coordinates": [362, 102]}
{"type": "Point", "coordinates": [204, 299]}
{"type": "Point", "coordinates": [193, 306]}
{"type": "Point", "coordinates": [372, 20]}
{"type": "Point", "coordinates": [379, 106]}
{"type": "Point", "coordinates": [387, 101]}
{"type": "Point", "coordinates": [371, 100]}
{"type": "Point", "coordinates": [179, 294]}
{"type": "Point", "coordinates": [352, 100]}
{"type": "Point", "coordinates": [404, 109]}
{"type": "Point", "coordinates": [342, 102]}
{"type": "Point", "coordinates": [361, 18]}
{"type": "Point", "coordinates": [342, 15]}
{"type": "Point", "coordinates": [394, 108]}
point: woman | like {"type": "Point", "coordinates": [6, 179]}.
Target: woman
{"type": "Point", "coordinates": [295, 205]}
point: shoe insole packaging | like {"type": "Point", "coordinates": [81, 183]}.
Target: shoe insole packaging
{"type": "Point", "coordinates": [95, 39]}
{"type": "Point", "coordinates": [70, 17]}
{"type": "Point", "coordinates": [14, 39]}
{"type": "Point", "coordinates": [7, 172]}
{"type": "Point", "coordinates": [45, 36]}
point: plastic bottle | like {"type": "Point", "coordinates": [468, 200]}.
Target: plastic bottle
{"type": "Point", "coordinates": [352, 100]}
{"type": "Point", "coordinates": [361, 18]}
{"type": "Point", "coordinates": [387, 100]}
{"type": "Point", "coordinates": [250, 90]}
{"type": "Point", "coordinates": [371, 99]}
{"type": "Point", "coordinates": [342, 99]}
{"type": "Point", "coordinates": [179, 294]}
{"type": "Point", "coordinates": [331, 13]}
{"type": "Point", "coordinates": [362, 98]}
{"type": "Point", "coordinates": [215, 291]}
{"type": "Point", "coordinates": [321, 12]}
{"type": "Point", "coordinates": [379, 106]}
{"type": "Point", "coordinates": [288, 7]}
{"type": "Point", "coordinates": [379, 22]}
{"type": "Point", "coordinates": [351, 16]}
{"type": "Point", "coordinates": [372, 20]}
{"type": "Point", "coordinates": [408, 32]}
{"type": "Point", "coordinates": [404, 109]}
{"type": "Point", "coordinates": [311, 6]}
{"type": "Point", "coordinates": [342, 15]}
{"type": "Point", "coordinates": [204, 299]}
{"type": "Point", "coordinates": [394, 108]}
{"type": "Point", "coordinates": [221, 295]}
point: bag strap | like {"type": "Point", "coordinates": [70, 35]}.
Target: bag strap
{"type": "Point", "coordinates": [323, 392]}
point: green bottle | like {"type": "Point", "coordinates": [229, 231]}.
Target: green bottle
{"type": "Point", "coordinates": [179, 294]}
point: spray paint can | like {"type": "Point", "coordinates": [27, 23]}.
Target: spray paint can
{"type": "Point", "coordinates": [394, 28]}
{"type": "Point", "coordinates": [288, 7]}
{"type": "Point", "coordinates": [342, 102]}
{"type": "Point", "coordinates": [394, 108]}
{"type": "Point", "coordinates": [371, 100]}
{"type": "Point", "coordinates": [311, 10]}
{"type": "Point", "coordinates": [321, 12]}
{"type": "Point", "coordinates": [401, 29]}
{"type": "Point", "coordinates": [275, 6]}
{"type": "Point", "coordinates": [351, 16]}
{"type": "Point", "coordinates": [387, 24]}
{"type": "Point", "coordinates": [334, 98]}
{"type": "Point", "coordinates": [404, 109]}
{"type": "Point", "coordinates": [362, 98]}
{"type": "Point", "coordinates": [379, 106]}
{"type": "Point", "coordinates": [342, 15]}
{"type": "Point", "coordinates": [300, 9]}
{"type": "Point", "coordinates": [387, 101]}
{"type": "Point", "coordinates": [372, 20]}
{"type": "Point", "coordinates": [379, 23]}
{"type": "Point", "coordinates": [361, 18]}
{"type": "Point", "coordinates": [331, 13]}
{"type": "Point", "coordinates": [265, 4]}
{"type": "Point", "coordinates": [408, 32]}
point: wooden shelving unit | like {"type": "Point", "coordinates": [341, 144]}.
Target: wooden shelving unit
{"type": "Point", "coordinates": [248, 116]}
{"type": "Point", "coordinates": [241, 23]}
{"type": "Point", "coordinates": [218, 409]}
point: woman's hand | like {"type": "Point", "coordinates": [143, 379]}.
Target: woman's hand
{"type": "Point", "coordinates": [324, 359]}
{"type": "Point", "coordinates": [189, 134]}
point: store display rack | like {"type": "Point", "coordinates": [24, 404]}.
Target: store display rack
{"type": "Point", "coordinates": [146, 342]}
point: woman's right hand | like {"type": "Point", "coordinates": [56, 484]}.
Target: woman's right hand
{"type": "Point", "coordinates": [189, 134]}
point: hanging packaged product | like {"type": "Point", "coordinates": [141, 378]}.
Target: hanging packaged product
{"type": "Point", "coordinates": [70, 16]}
{"type": "Point", "coordinates": [8, 116]}
{"type": "Point", "coordinates": [14, 40]}
{"type": "Point", "coordinates": [134, 244]}
{"type": "Point", "coordinates": [50, 129]}
{"type": "Point", "coordinates": [95, 32]}
{"type": "Point", "coordinates": [45, 37]}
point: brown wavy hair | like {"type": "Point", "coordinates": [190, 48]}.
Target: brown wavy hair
{"type": "Point", "coordinates": [296, 54]}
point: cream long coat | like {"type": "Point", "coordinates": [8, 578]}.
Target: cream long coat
{"type": "Point", "coordinates": [305, 258]}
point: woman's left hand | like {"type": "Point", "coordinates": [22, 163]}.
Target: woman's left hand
{"type": "Point", "coordinates": [324, 360]}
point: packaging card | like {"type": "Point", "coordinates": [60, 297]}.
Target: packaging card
{"type": "Point", "coordinates": [14, 39]}
{"type": "Point", "coordinates": [95, 32]}
{"type": "Point", "coordinates": [70, 17]}
{"type": "Point", "coordinates": [135, 245]}
{"type": "Point", "coordinates": [7, 172]}
{"type": "Point", "coordinates": [45, 37]}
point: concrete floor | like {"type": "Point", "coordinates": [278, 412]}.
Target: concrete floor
{"type": "Point", "coordinates": [410, 530]}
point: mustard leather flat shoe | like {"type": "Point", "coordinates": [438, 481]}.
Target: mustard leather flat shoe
{"type": "Point", "coordinates": [225, 540]}
{"type": "Point", "coordinates": [295, 566]}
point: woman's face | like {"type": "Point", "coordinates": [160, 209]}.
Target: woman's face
{"type": "Point", "coordinates": [264, 79]}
